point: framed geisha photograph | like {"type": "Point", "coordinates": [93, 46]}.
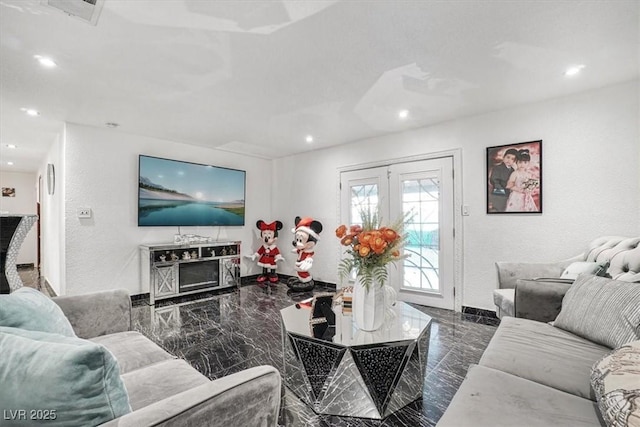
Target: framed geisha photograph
{"type": "Point", "coordinates": [514, 178]}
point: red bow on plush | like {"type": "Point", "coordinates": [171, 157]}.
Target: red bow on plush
{"type": "Point", "coordinates": [264, 226]}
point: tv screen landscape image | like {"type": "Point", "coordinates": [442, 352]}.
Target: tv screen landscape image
{"type": "Point", "coordinates": [177, 193]}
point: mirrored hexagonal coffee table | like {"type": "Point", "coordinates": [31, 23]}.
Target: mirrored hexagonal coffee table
{"type": "Point", "coordinates": [341, 370]}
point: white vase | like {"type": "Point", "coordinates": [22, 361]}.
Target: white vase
{"type": "Point", "coordinates": [370, 305]}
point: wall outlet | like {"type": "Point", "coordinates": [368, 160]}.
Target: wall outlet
{"type": "Point", "coordinates": [84, 212]}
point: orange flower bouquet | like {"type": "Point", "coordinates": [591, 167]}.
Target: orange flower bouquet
{"type": "Point", "coordinates": [371, 247]}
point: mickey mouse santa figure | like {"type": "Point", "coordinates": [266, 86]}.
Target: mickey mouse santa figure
{"type": "Point", "coordinates": [307, 233]}
{"type": "Point", "coordinates": [268, 254]}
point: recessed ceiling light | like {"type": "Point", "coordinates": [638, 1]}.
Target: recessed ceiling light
{"type": "Point", "coordinates": [111, 125]}
{"type": "Point", "coordinates": [573, 70]}
{"type": "Point", "coordinates": [309, 139]}
{"type": "Point", "coordinates": [403, 114]}
{"type": "Point", "coordinates": [45, 61]}
{"type": "Point", "coordinates": [10, 163]}
{"type": "Point", "coordinates": [12, 146]}
{"type": "Point", "coordinates": [31, 112]}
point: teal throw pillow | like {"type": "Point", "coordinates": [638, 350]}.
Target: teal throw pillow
{"type": "Point", "coordinates": [28, 308]}
{"type": "Point", "coordinates": [55, 380]}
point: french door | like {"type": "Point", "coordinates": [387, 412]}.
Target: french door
{"type": "Point", "coordinates": [423, 191]}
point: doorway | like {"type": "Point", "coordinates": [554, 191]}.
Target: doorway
{"type": "Point", "coordinates": [423, 190]}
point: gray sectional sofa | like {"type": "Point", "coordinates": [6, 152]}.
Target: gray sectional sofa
{"type": "Point", "coordinates": [538, 374]}
{"type": "Point", "coordinates": [164, 390]}
{"type": "Point", "coordinates": [531, 374]}
{"type": "Point", "coordinates": [101, 372]}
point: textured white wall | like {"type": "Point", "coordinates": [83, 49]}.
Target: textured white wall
{"type": "Point", "coordinates": [591, 188]}
{"type": "Point", "coordinates": [102, 173]}
{"type": "Point", "coordinates": [590, 172]}
{"type": "Point", "coordinates": [23, 203]}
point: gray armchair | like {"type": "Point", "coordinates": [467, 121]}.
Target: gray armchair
{"type": "Point", "coordinates": [535, 290]}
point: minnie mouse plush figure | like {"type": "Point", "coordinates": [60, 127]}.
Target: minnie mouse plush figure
{"type": "Point", "coordinates": [307, 233]}
{"type": "Point", "coordinates": [268, 254]}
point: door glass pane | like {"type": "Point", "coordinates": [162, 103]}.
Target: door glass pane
{"type": "Point", "coordinates": [363, 198]}
{"type": "Point", "coordinates": [421, 200]}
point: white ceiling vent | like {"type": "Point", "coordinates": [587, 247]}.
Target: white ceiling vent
{"type": "Point", "coordinates": [86, 10]}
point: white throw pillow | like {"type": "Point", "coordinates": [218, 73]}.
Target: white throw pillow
{"type": "Point", "coordinates": [575, 268]}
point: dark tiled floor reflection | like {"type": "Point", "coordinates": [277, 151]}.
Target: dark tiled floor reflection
{"type": "Point", "coordinates": [228, 332]}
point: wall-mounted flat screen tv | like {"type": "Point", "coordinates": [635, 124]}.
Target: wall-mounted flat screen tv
{"type": "Point", "coordinates": [176, 193]}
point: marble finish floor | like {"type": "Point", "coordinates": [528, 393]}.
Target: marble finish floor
{"type": "Point", "coordinates": [220, 334]}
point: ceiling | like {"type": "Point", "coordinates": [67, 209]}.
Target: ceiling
{"type": "Point", "coordinates": [257, 77]}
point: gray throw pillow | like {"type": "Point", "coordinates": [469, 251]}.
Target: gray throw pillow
{"type": "Point", "coordinates": [602, 310]}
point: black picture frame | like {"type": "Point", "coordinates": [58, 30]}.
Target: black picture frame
{"type": "Point", "coordinates": [514, 178]}
{"type": "Point", "coordinates": [8, 192]}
